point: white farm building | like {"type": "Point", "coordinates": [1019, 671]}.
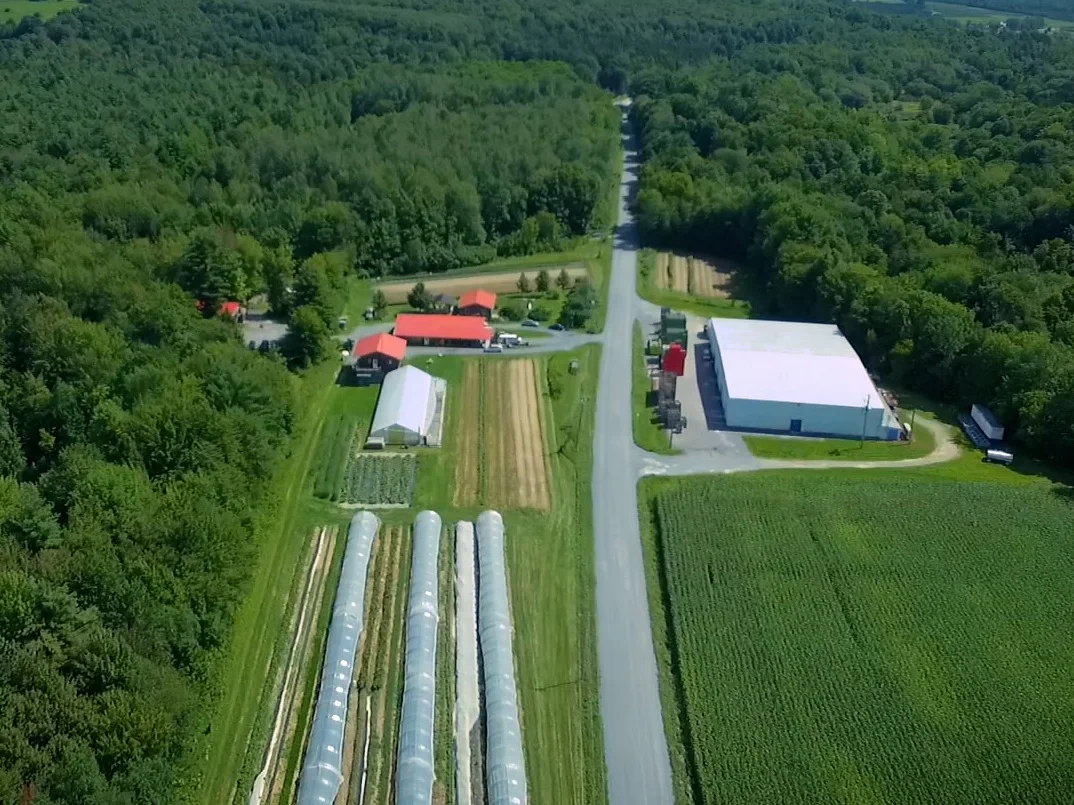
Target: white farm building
{"type": "Point", "coordinates": [410, 408]}
{"type": "Point", "coordinates": [790, 377]}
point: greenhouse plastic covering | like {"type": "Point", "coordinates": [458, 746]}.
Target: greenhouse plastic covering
{"type": "Point", "coordinates": [321, 776]}
{"type": "Point", "coordinates": [504, 766]}
{"type": "Point", "coordinates": [414, 775]}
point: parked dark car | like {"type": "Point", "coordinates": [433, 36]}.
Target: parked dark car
{"type": "Point", "coordinates": [557, 327]}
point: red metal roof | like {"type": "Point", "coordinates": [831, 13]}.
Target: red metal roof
{"type": "Point", "coordinates": [230, 308]}
{"type": "Point", "coordinates": [485, 299]}
{"type": "Point", "coordinates": [439, 325]}
{"type": "Point", "coordinates": [381, 344]}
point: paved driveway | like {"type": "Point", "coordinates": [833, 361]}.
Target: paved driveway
{"type": "Point", "coordinates": [635, 749]}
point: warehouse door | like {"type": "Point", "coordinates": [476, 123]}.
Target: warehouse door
{"type": "Point", "coordinates": [796, 426]}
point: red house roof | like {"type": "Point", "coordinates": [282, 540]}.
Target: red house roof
{"type": "Point", "coordinates": [485, 299]}
{"type": "Point", "coordinates": [381, 344]}
{"type": "Point", "coordinates": [438, 325]}
{"type": "Point", "coordinates": [230, 309]}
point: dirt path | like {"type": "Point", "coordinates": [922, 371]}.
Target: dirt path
{"type": "Point", "coordinates": [946, 450]}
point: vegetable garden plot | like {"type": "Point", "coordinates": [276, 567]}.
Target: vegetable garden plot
{"type": "Point", "coordinates": [385, 480]}
{"type": "Point", "coordinates": [828, 645]}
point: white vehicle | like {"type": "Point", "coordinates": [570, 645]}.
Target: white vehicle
{"type": "Point", "coordinates": [999, 456]}
{"type": "Point", "coordinates": [494, 348]}
{"type": "Point", "coordinates": [509, 339]}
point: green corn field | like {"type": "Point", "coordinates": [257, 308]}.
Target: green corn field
{"type": "Point", "coordinates": [834, 637]}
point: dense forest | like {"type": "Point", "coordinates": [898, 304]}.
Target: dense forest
{"type": "Point", "coordinates": [908, 178]}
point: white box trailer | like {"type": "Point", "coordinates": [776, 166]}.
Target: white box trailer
{"type": "Point", "coordinates": [987, 422]}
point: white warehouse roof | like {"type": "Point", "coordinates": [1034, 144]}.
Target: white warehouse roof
{"type": "Point", "coordinates": [791, 362]}
{"type": "Point", "coordinates": [407, 401]}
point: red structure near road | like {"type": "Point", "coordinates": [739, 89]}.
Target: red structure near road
{"type": "Point", "coordinates": [435, 329]}
{"type": "Point", "coordinates": [477, 303]}
{"type": "Point", "coordinates": [675, 360]}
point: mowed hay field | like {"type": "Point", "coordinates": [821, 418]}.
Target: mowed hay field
{"type": "Point", "coordinates": [502, 459]}
{"type": "Point", "coordinates": [841, 637]}
{"type": "Point", "coordinates": [709, 278]}
{"type": "Point", "coordinates": [499, 282]}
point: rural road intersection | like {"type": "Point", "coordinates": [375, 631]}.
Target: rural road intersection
{"type": "Point", "coordinates": [635, 747]}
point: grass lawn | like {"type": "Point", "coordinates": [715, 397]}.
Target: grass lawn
{"type": "Point", "coordinates": [687, 303]}
{"type": "Point", "coordinates": [15, 10]}
{"type": "Point", "coordinates": [886, 636]}
{"type": "Point", "coordinates": [648, 433]}
{"type": "Point", "coordinates": [841, 449]}
{"type": "Point", "coordinates": [551, 577]}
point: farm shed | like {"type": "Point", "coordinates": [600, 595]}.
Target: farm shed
{"type": "Point", "coordinates": [439, 329]}
{"type": "Point", "coordinates": [409, 409]}
{"type": "Point", "coordinates": [382, 351]}
{"type": "Point", "coordinates": [477, 303]}
{"type": "Point", "coordinates": [321, 777]}
{"type": "Point", "coordinates": [795, 378]}
{"type": "Point", "coordinates": [505, 768]}
{"type": "Point", "coordinates": [414, 773]}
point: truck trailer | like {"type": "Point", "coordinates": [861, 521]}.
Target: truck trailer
{"type": "Point", "coordinates": [987, 422]}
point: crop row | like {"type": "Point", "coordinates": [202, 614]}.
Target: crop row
{"type": "Point", "coordinates": [332, 457]}
{"type": "Point", "coordinates": [379, 480]}
{"type": "Point", "coordinates": [830, 642]}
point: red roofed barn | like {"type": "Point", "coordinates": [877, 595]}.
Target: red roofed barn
{"type": "Point", "coordinates": [382, 351]}
{"type": "Point", "coordinates": [477, 303]}
{"type": "Point", "coordinates": [438, 329]}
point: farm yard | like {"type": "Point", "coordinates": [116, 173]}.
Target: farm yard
{"type": "Point", "coordinates": [818, 644]}
{"type": "Point", "coordinates": [500, 282]}
{"type": "Point", "coordinates": [502, 456]}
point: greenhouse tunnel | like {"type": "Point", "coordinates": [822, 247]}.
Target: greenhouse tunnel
{"type": "Point", "coordinates": [504, 763]}
{"type": "Point", "coordinates": [321, 776]}
{"type": "Point", "coordinates": [414, 775]}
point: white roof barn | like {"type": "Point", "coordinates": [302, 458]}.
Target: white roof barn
{"type": "Point", "coordinates": [407, 407]}
{"type": "Point", "coordinates": [795, 377]}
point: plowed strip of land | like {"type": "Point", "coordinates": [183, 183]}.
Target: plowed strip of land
{"type": "Point", "coordinates": [468, 439]}
{"type": "Point", "coordinates": [497, 282]}
{"type": "Point", "coordinates": [680, 273]}
{"type": "Point", "coordinates": [662, 270]}
{"type": "Point", "coordinates": [526, 466]}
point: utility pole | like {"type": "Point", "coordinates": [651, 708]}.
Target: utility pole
{"type": "Point", "coordinates": [913, 413]}
{"type": "Point", "coordinates": [865, 418]}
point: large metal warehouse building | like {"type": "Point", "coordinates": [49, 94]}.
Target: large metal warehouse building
{"type": "Point", "coordinates": [795, 378]}
{"type": "Point", "coordinates": [410, 408]}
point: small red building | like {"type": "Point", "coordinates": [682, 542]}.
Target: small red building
{"type": "Point", "coordinates": [438, 329]}
{"type": "Point", "coordinates": [675, 360]}
{"type": "Point", "coordinates": [382, 352]}
{"type": "Point", "coordinates": [477, 303]}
